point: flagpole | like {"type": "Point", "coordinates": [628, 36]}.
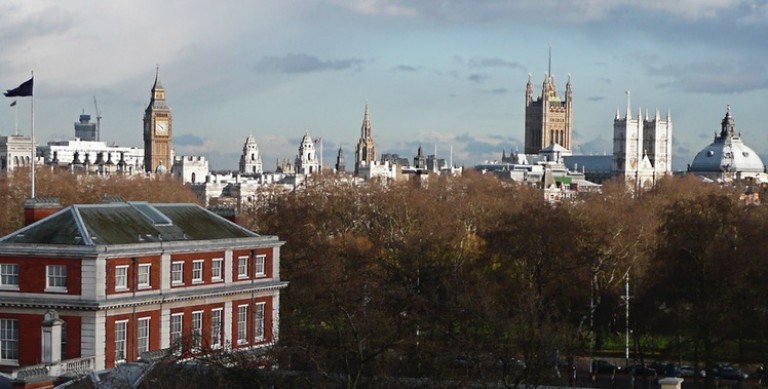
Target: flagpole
{"type": "Point", "coordinates": [15, 118]}
{"type": "Point", "coordinates": [34, 153]}
{"type": "Point", "coordinates": [321, 155]}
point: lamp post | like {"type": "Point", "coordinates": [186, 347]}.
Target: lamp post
{"type": "Point", "coordinates": [626, 318]}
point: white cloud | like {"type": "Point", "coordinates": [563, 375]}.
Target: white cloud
{"type": "Point", "coordinates": [581, 11]}
{"type": "Point", "coordinates": [690, 9]}
{"type": "Point", "coordinates": [758, 13]}
{"type": "Point", "coordinates": [377, 7]}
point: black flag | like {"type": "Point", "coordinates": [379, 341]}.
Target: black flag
{"type": "Point", "coordinates": [23, 90]}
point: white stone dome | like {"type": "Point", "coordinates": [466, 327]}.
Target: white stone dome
{"type": "Point", "coordinates": [727, 153]}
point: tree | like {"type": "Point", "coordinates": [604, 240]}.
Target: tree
{"type": "Point", "coordinates": [71, 188]}
{"type": "Point", "coordinates": [700, 249]}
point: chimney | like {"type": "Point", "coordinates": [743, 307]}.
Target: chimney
{"type": "Point", "coordinates": [39, 208]}
{"type": "Point", "coordinates": [227, 212]}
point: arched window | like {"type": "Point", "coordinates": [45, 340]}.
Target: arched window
{"type": "Point", "coordinates": [193, 177]}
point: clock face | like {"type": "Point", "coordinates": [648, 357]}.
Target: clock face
{"type": "Point", "coordinates": [161, 128]}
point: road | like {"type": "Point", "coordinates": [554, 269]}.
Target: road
{"type": "Point", "coordinates": [625, 381]}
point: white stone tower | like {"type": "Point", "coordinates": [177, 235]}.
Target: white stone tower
{"type": "Point", "coordinates": [250, 160]}
{"type": "Point", "coordinates": [642, 147]}
{"type": "Point", "coordinates": [307, 161]}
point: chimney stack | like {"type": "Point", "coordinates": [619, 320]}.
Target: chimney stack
{"type": "Point", "coordinates": [227, 212]}
{"type": "Point", "coordinates": [39, 208]}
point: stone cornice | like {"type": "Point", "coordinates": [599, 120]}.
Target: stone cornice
{"type": "Point", "coordinates": [148, 248]}
{"type": "Point", "coordinates": [140, 300]}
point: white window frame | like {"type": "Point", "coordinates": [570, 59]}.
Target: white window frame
{"type": "Point", "coordinates": [179, 272]}
{"type": "Point", "coordinates": [198, 278]}
{"type": "Point", "coordinates": [9, 341]}
{"type": "Point", "coordinates": [177, 320]}
{"type": "Point", "coordinates": [197, 330]}
{"type": "Point", "coordinates": [142, 335]}
{"type": "Point", "coordinates": [242, 324]}
{"type": "Point", "coordinates": [124, 284]}
{"type": "Point", "coordinates": [259, 321]}
{"type": "Point", "coordinates": [121, 337]}
{"type": "Point", "coordinates": [216, 327]}
{"type": "Point", "coordinates": [52, 278]}
{"type": "Point", "coordinates": [9, 272]}
{"type": "Point", "coordinates": [242, 267]}
{"type": "Point", "coordinates": [260, 266]}
{"type": "Point", "coordinates": [144, 276]}
{"type": "Point", "coordinates": [217, 269]}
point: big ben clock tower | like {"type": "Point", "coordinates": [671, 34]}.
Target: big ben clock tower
{"type": "Point", "coordinates": [158, 130]}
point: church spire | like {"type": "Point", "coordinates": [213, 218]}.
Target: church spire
{"type": "Point", "coordinates": [549, 65]}
{"type": "Point", "coordinates": [629, 106]}
{"type": "Point", "coordinates": [365, 130]}
{"type": "Point", "coordinates": [529, 91]}
{"type": "Point", "coordinates": [157, 85]}
{"type": "Point", "coordinates": [365, 153]}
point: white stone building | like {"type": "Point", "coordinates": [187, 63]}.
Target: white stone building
{"type": "Point", "coordinates": [70, 153]}
{"type": "Point", "coordinates": [383, 170]}
{"type": "Point", "coordinates": [15, 151]}
{"type": "Point", "coordinates": [642, 148]}
{"type": "Point", "coordinates": [190, 169]}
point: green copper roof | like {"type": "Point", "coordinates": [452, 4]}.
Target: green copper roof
{"type": "Point", "coordinates": [131, 222]}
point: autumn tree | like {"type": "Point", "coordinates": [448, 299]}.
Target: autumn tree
{"type": "Point", "coordinates": [698, 277]}
{"type": "Point", "coordinates": [71, 188]}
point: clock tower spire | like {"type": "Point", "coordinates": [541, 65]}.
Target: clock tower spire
{"type": "Point", "coordinates": [158, 132]}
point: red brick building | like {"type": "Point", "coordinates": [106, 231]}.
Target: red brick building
{"type": "Point", "coordinates": [91, 286]}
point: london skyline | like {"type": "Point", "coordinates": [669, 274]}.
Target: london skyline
{"type": "Point", "coordinates": [449, 73]}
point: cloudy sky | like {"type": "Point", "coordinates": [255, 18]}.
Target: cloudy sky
{"type": "Point", "coordinates": [440, 73]}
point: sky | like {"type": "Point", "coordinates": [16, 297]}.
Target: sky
{"type": "Point", "coordinates": [444, 74]}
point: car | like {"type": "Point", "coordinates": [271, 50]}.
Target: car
{"type": "Point", "coordinates": [603, 366]}
{"type": "Point", "coordinates": [640, 370]}
{"type": "Point", "coordinates": [688, 371]}
{"type": "Point", "coordinates": [727, 372]}
{"type": "Point", "coordinates": [665, 369]}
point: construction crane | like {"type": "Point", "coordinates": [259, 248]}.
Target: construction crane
{"type": "Point", "coordinates": [98, 119]}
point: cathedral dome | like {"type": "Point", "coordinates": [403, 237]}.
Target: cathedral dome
{"type": "Point", "coordinates": [727, 154]}
{"type": "Point", "coordinates": [714, 158]}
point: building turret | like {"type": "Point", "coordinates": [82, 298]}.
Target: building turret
{"type": "Point", "coordinates": [340, 164]}
{"type": "Point", "coordinates": [307, 161]}
{"type": "Point", "coordinates": [365, 153]}
{"type": "Point", "coordinates": [250, 160]}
